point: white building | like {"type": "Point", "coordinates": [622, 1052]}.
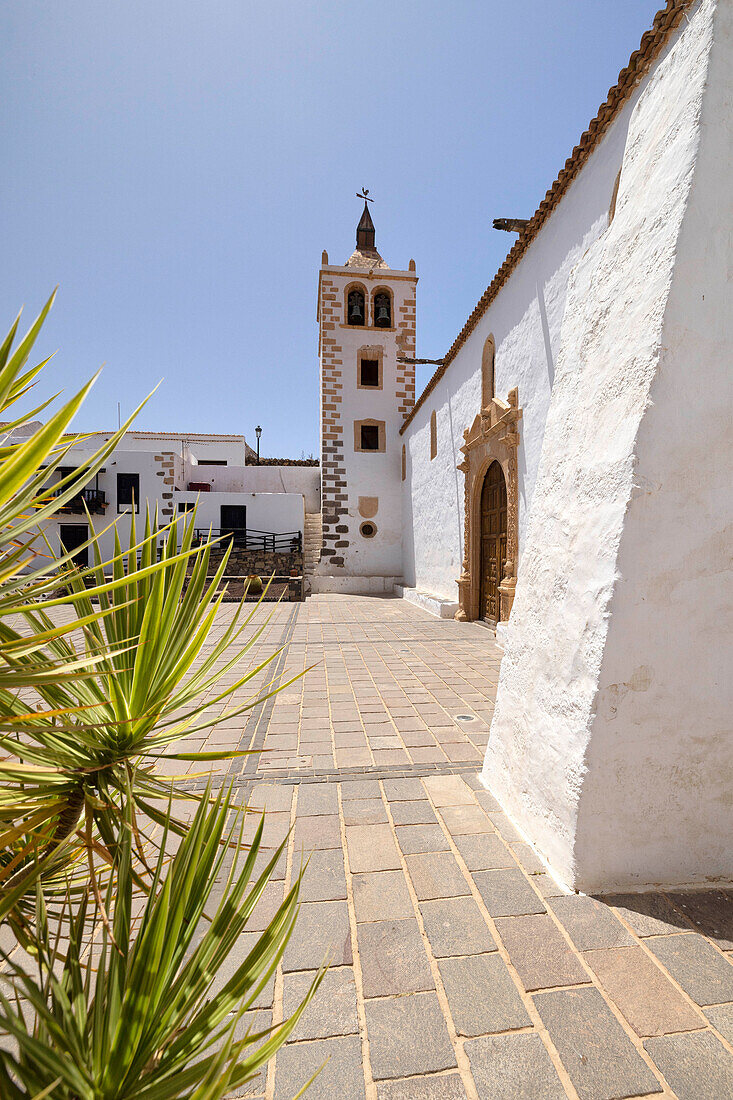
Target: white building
{"type": "Point", "coordinates": [567, 474]}
{"type": "Point", "coordinates": [172, 472]}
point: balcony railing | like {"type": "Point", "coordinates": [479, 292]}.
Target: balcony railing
{"type": "Point", "coordinates": [92, 500]}
{"type": "Point", "coordinates": [245, 538]}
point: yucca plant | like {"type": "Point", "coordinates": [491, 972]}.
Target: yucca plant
{"type": "Point", "coordinates": [91, 702]}
{"type": "Point", "coordinates": [97, 736]}
{"type": "Point", "coordinates": [141, 1019]}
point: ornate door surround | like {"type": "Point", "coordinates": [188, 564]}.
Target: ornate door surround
{"type": "Point", "coordinates": [493, 437]}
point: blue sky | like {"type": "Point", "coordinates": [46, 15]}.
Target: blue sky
{"type": "Point", "coordinates": [178, 167]}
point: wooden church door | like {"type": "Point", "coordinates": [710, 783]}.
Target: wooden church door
{"type": "Point", "coordinates": [493, 542]}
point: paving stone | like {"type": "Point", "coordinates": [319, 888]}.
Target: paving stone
{"type": "Point", "coordinates": [321, 930]}
{"type": "Point", "coordinates": [436, 876]}
{"type": "Point", "coordinates": [324, 878]}
{"type": "Point", "coordinates": [642, 992]}
{"type": "Point", "coordinates": [487, 801]}
{"type": "Point", "coordinates": [277, 826]}
{"type": "Point", "coordinates": [254, 1022]}
{"type": "Point", "coordinates": [266, 907]}
{"type": "Point", "coordinates": [702, 971]}
{"type": "Point", "coordinates": [540, 953]}
{"type": "Point", "coordinates": [448, 790]}
{"type": "Point", "coordinates": [547, 886]}
{"type": "Point", "coordinates": [360, 788]}
{"type": "Point", "coordinates": [721, 1017]}
{"type": "Point", "coordinates": [711, 911]}
{"type": "Point", "coordinates": [271, 797]}
{"type": "Point", "coordinates": [590, 923]}
{"type": "Point", "coordinates": [246, 942]}
{"type": "Point", "coordinates": [413, 813]}
{"type": "Point", "coordinates": [315, 799]}
{"type": "Point", "coordinates": [696, 1065]}
{"type": "Point", "coordinates": [371, 848]}
{"type": "Point", "coordinates": [393, 958]}
{"type": "Point", "coordinates": [365, 811]}
{"type": "Point", "coordinates": [504, 827]}
{"type": "Point", "coordinates": [528, 858]}
{"type": "Point", "coordinates": [455, 926]}
{"type": "Point", "coordinates": [484, 852]}
{"type": "Point", "coordinates": [317, 832]}
{"type": "Point", "coordinates": [404, 790]}
{"type": "Point", "coordinates": [342, 1073]}
{"type": "Point", "coordinates": [381, 895]}
{"type": "Point", "coordinates": [647, 914]}
{"type": "Point", "coordinates": [600, 1058]}
{"type": "Point", "coordinates": [482, 995]}
{"type": "Point", "coordinates": [465, 820]}
{"type": "Point", "coordinates": [407, 1035]}
{"type": "Point", "coordinates": [333, 1009]}
{"type": "Point", "coordinates": [447, 1086]}
{"type": "Point", "coordinates": [513, 1067]}
{"type": "Point", "coordinates": [507, 893]}
{"type": "Point", "coordinates": [421, 838]}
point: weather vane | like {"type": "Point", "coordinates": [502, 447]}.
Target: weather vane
{"type": "Point", "coordinates": [364, 194]}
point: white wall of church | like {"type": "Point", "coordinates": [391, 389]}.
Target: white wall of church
{"type": "Point", "coordinates": [608, 744]}
{"type": "Point", "coordinates": [525, 320]}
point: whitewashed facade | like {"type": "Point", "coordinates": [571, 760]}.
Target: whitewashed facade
{"type": "Point", "coordinates": [171, 472]}
{"type": "Point", "coordinates": [609, 412]}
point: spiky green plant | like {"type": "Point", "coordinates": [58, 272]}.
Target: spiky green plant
{"type": "Point", "coordinates": [91, 701]}
{"type": "Point", "coordinates": [137, 1015]}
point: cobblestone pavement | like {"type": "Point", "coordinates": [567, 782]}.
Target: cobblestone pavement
{"type": "Point", "coordinates": [458, 967]}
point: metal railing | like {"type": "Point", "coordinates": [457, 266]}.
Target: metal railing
{"type": "Point", "coordinates": [246, 538]}
{"type": "Point", "coordinates": [93, 500]}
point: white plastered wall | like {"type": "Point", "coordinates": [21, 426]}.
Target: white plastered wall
{"type": "Point", "coordinates": [525, 320]}
{"type": "Point", "coordinates": [608, 744]}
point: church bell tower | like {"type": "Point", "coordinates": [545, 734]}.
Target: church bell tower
{"type": "Point", "coordinates": [366, 318]}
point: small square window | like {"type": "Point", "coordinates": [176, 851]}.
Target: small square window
{"type": "Point", "coordinates": [370, 437]}
{"type": "Point", "coordinates": [369, 372]}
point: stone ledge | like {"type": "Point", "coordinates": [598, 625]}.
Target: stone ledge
{"type": "Point", "coordinates": [442, 609]}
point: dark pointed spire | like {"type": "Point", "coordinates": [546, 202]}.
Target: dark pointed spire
{"type": "Point", "coordinates": [365, 228]}
{"type": "Point", "coordinates": [365, 231]}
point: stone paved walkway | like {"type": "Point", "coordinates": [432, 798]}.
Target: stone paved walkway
{"type": "Point", "coordinates": [458, 967]}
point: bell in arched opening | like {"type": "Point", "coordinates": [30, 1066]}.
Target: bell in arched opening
{"type": "Point", "coordinates": [382, 311]}
{"type": "Point", "coordinates": [356, 307]}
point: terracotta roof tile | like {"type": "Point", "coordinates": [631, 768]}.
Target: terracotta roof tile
{"type": "Point", "coordinates": [652, 41]}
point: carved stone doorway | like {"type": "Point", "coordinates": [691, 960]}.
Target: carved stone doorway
{"type": "Point", "coordinates": [491, 510]}
{"type": "Point", "coordinates": [493, 543]}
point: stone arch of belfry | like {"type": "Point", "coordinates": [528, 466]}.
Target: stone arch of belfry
{"type": "Point", "coordinates": [493, 437]}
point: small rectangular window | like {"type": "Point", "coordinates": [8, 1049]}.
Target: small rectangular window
{"type": "Point", "coordinates": [212, 462]}
{"type": "Point", "coordinates": [369, 372]}
{"type": "Point", "coordinates": [128, 492]}
{"type": "Point", "coordinates": [185, 506]}
{"type": "Point", "coordinates": [370, 437]}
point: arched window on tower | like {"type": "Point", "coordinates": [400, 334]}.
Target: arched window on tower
{"type": "Point", "coordinates": [382, 309]}
{"type": "Point", "coordinates": [355, 307]}
{"type": "Point", "coordinates": [487, 372]}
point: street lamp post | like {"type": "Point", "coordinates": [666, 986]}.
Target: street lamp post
{"type": "Point", "coordinates": [258, 433]}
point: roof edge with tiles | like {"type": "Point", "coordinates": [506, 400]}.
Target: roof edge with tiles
{"type": "Point", "coordinates": [652, 42]}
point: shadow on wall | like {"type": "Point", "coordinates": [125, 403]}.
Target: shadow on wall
{"type": "Point", "coordinates": [459, 487]}
{"type": "Point", "coordinates": [409, 570]}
